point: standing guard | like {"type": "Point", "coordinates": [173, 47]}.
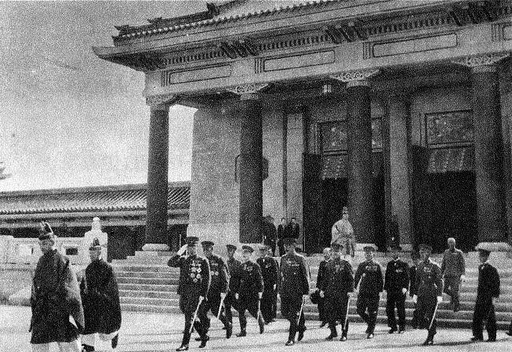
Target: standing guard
{"type": "Point", "coordinates": [193, 288]}
{"type": "Point", "coordinates": [337, 287]}
{"type": "Point", "coordinates": [233, 267]}
{"type": "Point", "coordinates": [370, 282]}
{"type": "Point", "coordinates": [396, 284]}
{"type": "Point", "coordinates": [430, 292]}
{"type": "Point", "coordinates": [270, 273]}
{"type": "Point", "coordinates": [487, 292]}
{"type": "Point", "coordinates": [293, 289]}
{"type": "Point", "coordinates": [218, 288]}
{"type": "Point", "coordinates": [249, 291]}
{"type": "Point", "coordinates": [319, 282]}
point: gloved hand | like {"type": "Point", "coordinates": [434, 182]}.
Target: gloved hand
{"type": "Point", "coordinates": [237, 296]}
{"type": "Point", "coordinates": [182, 250]}
{"type": "Point", "coordinates": [260, 295]}
{"type": "Point", "coordinates": [404, 291]}
{"type": "Point", "coordinates": [222, 295]}
{"type": "Point", "coordinates": [415, 298]}
{"type": "Point", "coordinates": [439, 299]}
{"type": "Point", "coordinates": [463, 278]}
{"type": "Point", "coordinates": [201, 298]}
{"type": "Point", "coordinates": [322, 294]}
{"type": "Point", "coordinates": [275, 287]}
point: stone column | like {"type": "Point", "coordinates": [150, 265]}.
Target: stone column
{"type": "Point", "coordinates": [490, 190]}
{"type": "Point", "coordinates": [250, 170]}
{"type": "Point", "coordinates": [359, 131]}
{"type": "Point", "coordinates": [158, 164]}
{"type": "Point", "coordinates": [400, 160]}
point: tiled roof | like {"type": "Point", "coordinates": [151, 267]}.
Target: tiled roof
{"type": "Point", "coordinates": [110, 198]}
{"type": "Point", "coordinates": [230, 11]}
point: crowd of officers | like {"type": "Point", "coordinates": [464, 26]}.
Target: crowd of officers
{"type": "Point", "coordinates": [217, 285]}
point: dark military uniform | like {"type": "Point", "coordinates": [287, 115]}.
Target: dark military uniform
{"type": "Point", "coordinates": [369, 273]}
{"type": "Point", "coordinates": [413, 290]}
{"type": "Point", "coordinates": [194, 282]}
{"type": "Point", "coordinates": [488, 287]}
{"type": "Point", "coordinates": [294, 283]}
{"type": "Point", "coordinates": [338, 282]}
{"type": "Point", "coordinates": [430, 286]}
{"type": "Point", "coordinates": [270, 273]}
{"type": "Point", "coordinates": [218, 284]}
{"type": "Point", "coordinates": [249, 283]}
{"type": "Point", "coordinates": [229, 301]}
{"type": "Point", "coordinates": [321, 276]}
{"type": "Point", "coordinates": [396, 279]}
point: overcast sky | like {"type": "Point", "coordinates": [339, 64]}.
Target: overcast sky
{"type": "Point", "coordinates": [67, 118]}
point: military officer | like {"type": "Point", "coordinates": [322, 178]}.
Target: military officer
{"type": "Point", "coordinates": [248, 291]}
{"type": "Point", "coordinates": [293, 289]}
{"type": "Point", "coordinates": [370, 282]}
{"type": "Point", "coordinates": [487, 292]}
{"type": "Point", "coordinates": [396, 284]}
{"type": "Point", "coordinates": [270, 273]}
{"type": "Point", "coordinates": [413, 289]}
{"type": "Point", "coordinates": [430, 292]}
{"type": "Point", "coordinates": [218, 287]}
{"type": "Point", "coordinates": [193, 288]}
{"type": "Point", "coordinates": [233, 267]}
{"type": "Point", "coordinates": [337, 286]}
{"type": "Point", "coordinates": [319, 278]}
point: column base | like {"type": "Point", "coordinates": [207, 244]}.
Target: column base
{"type": "Point", "coordinates": [156, 247]}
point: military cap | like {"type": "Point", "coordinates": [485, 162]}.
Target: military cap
{"type": "Point", "coordinates": [246, 248]}
{"type": "Point", "coordinates": [425, 247]}
{"type": "Point", "coordinates": [262, 247]}
{"type": "Point", "coordinates": [336, 246]}
{"type": "Point", "coordinates": [95, 244]}
{"type": "Point", "coordinates": [289, 241]}
{"type": "Point", "coordinates": [368, 249]}
{"type": "Point", "coordinates": [345, 210]}
{"type": "Point", "coordinates": [231, 247]}
{"type": "Point", "coordinates": [46, 232]}
{"type": "Point", "coordinates": [192, 241]}
{"type": "Point", "coordinates": [484, 252]}
{"type": "Point", "coordinates": [207, 244]}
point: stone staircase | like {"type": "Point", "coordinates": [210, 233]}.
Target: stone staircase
{"type": "Point", "coordinates": [147, 284]}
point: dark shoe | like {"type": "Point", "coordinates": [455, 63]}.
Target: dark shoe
{"type": "Point", "coordinates": [229, 330]}
{"type": "Point", "coordinates": [401, 330]}
{"type": "Point", "coordinates": [203, 344]}
{"type": "Point", "coordinates": [428, 342]}
{"type": "Point", "coordinates": [301, 334]}
{"type": "Point", "coordinates": [491, 339]}
{"type": "Point", "coordinates": [182, 348]}
{"type": "Point", "coordinates": [392, 330]}
{"type": "Point", "coordinates": [370, 336]}
{"type": "Point", "coordinates": [343, 338]}
{"type": "Point", "coordinates": [261, 323]}
{"type": "Point", "coordinates": [367, 331]}
{"type": "Point", "coordinates": [331, 336]}
{"type": "Point", "coordinates": [324, 323]}
{"type": "Point", "coordinates": [289, 343]}
{"type": "Point", "coordinates": [475, 339]}
{"type": "Point", "coordinates": [206, 338]}
{"type": "Point", "coordinates": [241, 333]}
{"type": "Point", "coordinates": [87, 348]}
{"type": "Point", "coordinates": [114, 341]}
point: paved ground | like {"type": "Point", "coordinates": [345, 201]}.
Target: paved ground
{"type": "Point", "coordinates": [162, 332]}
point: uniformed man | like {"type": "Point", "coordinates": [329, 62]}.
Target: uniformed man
{"type": "Point", "coordinates": [249, 291]}
{"type": "Point", "coordinates": [396, 284]}
{"type": "Point", "coordinates": [193, 289]}
{"type": "Point", "coordinates": [337, 287]}
{"type": "Point", "coordinates": [430, 292]}
{"type": "Point", "coordinates": [370, 282]}
{"type": "Point", "coordinates": [321, 276]}
{"type": "Point", "coordinates": [233, 267]}
{"type": "Point", "coordinates": [413, 289]}
{"type": "Point", "coordinates": [270, 273]}
{"type": "Point", "coordinates": [218, 287]}
{"type": "Point", "coordinates": [488, 292]}
{"type": "Point", "coordinates": [453, 269]}
{"type": "Point", "coordinates": [293, 289]}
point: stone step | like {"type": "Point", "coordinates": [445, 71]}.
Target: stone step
{"type": "Point", "coordinates": [168, 302]}
{"type": "Point", "coordinates": [148, 287]}
{"type": "Point", "coordinates": [143, 267]}
{"type": "Point", "coordinates": [148, 281]}
{"type": "Point", "coordinates": [149, 308]}
{"type": "Point", "coordinates": [149, 294]}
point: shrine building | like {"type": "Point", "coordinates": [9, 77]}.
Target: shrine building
{"type": "Point", "coordinates": [389, 107]}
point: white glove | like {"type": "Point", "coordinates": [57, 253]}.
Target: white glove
{"type": "Point", "coordinates": [463, 278]}
{"type": "Point", "coordinates": [201, 298]}
{"type": "Point", "coordinates": [222, 295]}
{"type": "Point", "coordinates": [415, 298]}
{"type": "Point", "coordinates": [275, 287]}
{"type": "Point", "coordinates": [322, 294]}
{"type": "Point", "coordinates": [404, 291]}
{"type": "Point", "coordinates": [236, 296]}
{"type": "Point", "coordinates": [260, 294]}
{"type": "Point", "coordinates": [439, 299]}
{"type": "Point", "coordinates": [182, 250]}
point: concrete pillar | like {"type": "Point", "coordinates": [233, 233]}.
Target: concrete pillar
{"type": "Point", "coordinates": [158, 161]}
{"type": "Point", "coordinates": [400, 161]}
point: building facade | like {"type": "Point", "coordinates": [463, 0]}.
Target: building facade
{"type": "Point", "coordinates": [389, 107]}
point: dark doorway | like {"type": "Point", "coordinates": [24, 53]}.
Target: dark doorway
{"type": "Point", "coordinates": [122, 242]}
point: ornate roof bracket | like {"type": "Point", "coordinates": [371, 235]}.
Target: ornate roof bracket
{"type": "Point", "coordinates": [248, 91]}
{"type": "Point", "coordinates": [481, 60]}
{"type": "Point", "coordinates": [349, 32]}
{"type": "Point", "coordinates": [239, 48]}
{"type": "Point", "coordinates": [474, 13]}
{"type": "Point", "coordinates": [356, 78]}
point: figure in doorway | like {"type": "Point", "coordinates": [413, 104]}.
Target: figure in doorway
{"type": "Point", "coordinates": [281, 234]}
{"type": "Point", "coordinates": [343, 233]}
{"type": "Point", "coordinates": [269, 233]}
{"type": "Point", "coordinates": [394, 234]}
{"type": "Point", "coordinates": [293, 230]}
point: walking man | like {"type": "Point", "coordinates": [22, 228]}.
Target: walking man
{"type": "Point", "coordinates": [233, 267]}
{"type": "Point", "coordinates": [370, 281]}
{"type": "Point", "coordinates": [396, 284]}
{"type": "Point", "coordinates": [337, 287]}
{"type": "Point", "coordinates": [453, 269]}
{"type": "Point", "coordinates": [55, 299]}
{"type": "Point", "coordinates": [430, 292]}
{"type": "Point", "coordinates": [319, 282]}
{"type": "Point", "coordinates": [218, 288]}
{"type": "Point", "coordinates": [488, 292]}
{"type": "Point", "coordinates": [270, 273]}
{"type": "Point", "coordinates": [293, 289]}
{"type": "Point", "coordinates": [100, 298]}
{"type": "Point", "coordinates": [249, 291]}
{"type": "Point", "coordinates": [193, 289]}
{"type": "Point", "coordinates": [413, 288]}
